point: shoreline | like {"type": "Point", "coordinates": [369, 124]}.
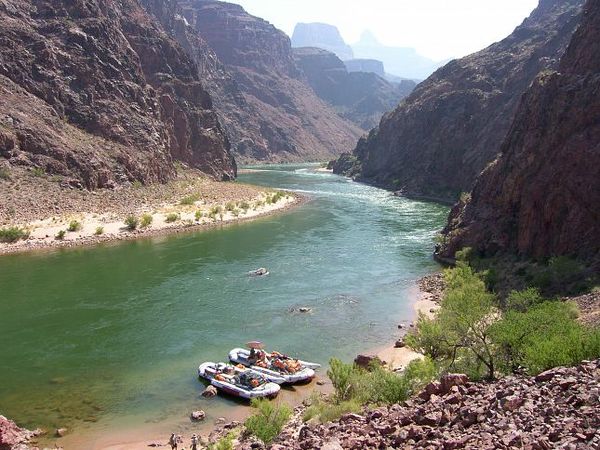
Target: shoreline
{"type": "Point", "coordinates": [42, 238]}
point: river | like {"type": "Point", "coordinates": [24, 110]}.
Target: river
{"type": "Point", "coordinates": [111, 335]}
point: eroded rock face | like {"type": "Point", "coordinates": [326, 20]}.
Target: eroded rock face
{"type": "Point", "coordinates": [541, 197]}
{"type": "Point", "coordinates": [361, 97]}
{"type": "Point", "coordinates": [444, 134]}
{"type": "Point", "coordinates": [97, 91]}
{"type": "Point", "coordinates": [267, 106]}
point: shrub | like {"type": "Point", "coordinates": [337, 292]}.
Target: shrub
{"type": "Point", "coordinates": [236, 212]}
{"type": "Point", "coordinates": [38, 172]}
{"type": "Point", "coordinates": [137, 184]}
{"type": "Point", "coordinates": [230, 206]}
{"type": "Point", "coordinates": [131, 223]}
{"type": "Point", "coordinates": [99, 231]}
{"type": "Point", "coordinates": [545, 336]}
{"type": "Point", "coordinates": [146, 220]}
{"type": "Point", "coordinates": [198, 215]}
{"type": "Point", "coordinates": [13, 234]}
{"type": "Point", "coordinates": [173, 217]}
{"type": "Point", "coordinates": [245, 206]}
{"type": "Point", "coordinates": [225, 443]}
{"type": "Point", "coordinates": [189, 200]}
{"type": "Point", "coordinates": [4, 173]}
{"type": "Point", "coordinates": [60, 235]}
{"type": "Point", "coordinates": [341, 375]}
{"type": "Point", "coordinates": [74, 225]}
{"type": "Point", "coordinates": [328, 412]}
{"type": "Point", "coordinates": [269, 419]}
{"type": "Point", "coordinates": [523, 300]}
{"type": "Point", "coordinates": [277, 196]}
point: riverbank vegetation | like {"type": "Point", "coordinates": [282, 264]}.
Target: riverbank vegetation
{"type": "Point", "coordinates": [477, 333]}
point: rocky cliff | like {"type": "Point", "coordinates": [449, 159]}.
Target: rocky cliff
{"type": "Point", "coordinates": [268, 109]}
{"type": "Point", "coordinates": [444, 134]}
{"type": "Point", "coordinates": [541, 197]}
{"type": "Point", "coordinates": [321, 35]}
{"type": "Point", "coordinates": [98, 92]}
{"type": "Point", "coordinates": [361, 97]}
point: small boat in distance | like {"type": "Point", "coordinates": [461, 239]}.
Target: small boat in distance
{"type": "Point", "coordinates": [274, 365]}
{"type": "Point", "coordinates": [261, 272]}
{"type": "Point", "coordinates": [239, 381]}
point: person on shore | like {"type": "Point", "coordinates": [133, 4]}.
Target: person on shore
{"type": "Point", "coordinates": [194, 442]}
{"type": "Point", "coordinates": [173, 441]}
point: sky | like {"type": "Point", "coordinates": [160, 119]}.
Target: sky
{"type": "Point", "coordinates": [438, 29]}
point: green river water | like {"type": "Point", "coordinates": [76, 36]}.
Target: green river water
{"type": "Point", "coordinates": [113, 334]}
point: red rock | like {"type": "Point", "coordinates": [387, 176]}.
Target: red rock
{"type": "Point", "coordinates": [448, 381]}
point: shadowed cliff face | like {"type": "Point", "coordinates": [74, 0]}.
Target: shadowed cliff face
{"type": "Point", "coordinates": [444, 134]}
{"type": "Point", "coordinates": [96, 91]}
{"type": "Point", "coordinates": [361, 97]}
{"type": "Point", "coordinates": [267, 106]}
{"type": "Point", "coordinates": [541, 197]}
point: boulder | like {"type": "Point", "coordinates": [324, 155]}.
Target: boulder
{"type": "Point", "coordinates": [452, 379]}
{"type": "Point", "coordinates": [209, 392]}
{"type": "Point", "coordinates": [60, 432]}
{"type": "Point", "coordinates": [399, 344]}
{"type": "Point", "coordinates": [197, 416]}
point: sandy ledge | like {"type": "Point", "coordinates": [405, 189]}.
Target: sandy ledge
{"type": "Point", "coordinates": [108, 210]}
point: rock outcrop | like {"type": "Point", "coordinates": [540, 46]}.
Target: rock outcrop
{"type": "Point", "coordinates": [268, 110]}
{"type": "Point", "coordinates": [443, 135]}
{"type": "Point", "coordinates": [541, 197]}
{"type": "Point", "coordinates": [97, 91]}
{"type": "Point", "coordinates": [13, 437]}
{"type": "Point", "coordinates": [321, 35]}
{"type": "Point", "coordinates": [361, 97]}
{"type": "Point", "coordinates": [556, 409]}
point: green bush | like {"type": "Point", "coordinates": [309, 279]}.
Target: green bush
{"type": "Point", "coordinates": [341, 376]}
{"type": "Point", "coordinates": [60, 235]}
{"type": "Point", "coordinates": [38, 172]}
{"type": "Point", "coordinates": [137, 184]}
{"type": "Point", "coordinates": [173, 217]}
{"type": "Point", "coordinates": [544, 336]}
{"type": "Point", "coordinates": [523, 300]}
{"type": "Point", "coordinates": [99, 231]}
{"type": "Point", "coordinates": [131, 222]}
{"type": "Point", "coordinates": [269, 419]}
{"type": "Point", "coordinates": [326, 411]}
{"type": "Point", "coordinates": [230, 206]}
{"type": "Point", "coordinates": [198, 215]}
{"type": "Point", "coordinates": [4, 173]}
{"type": "Point", "coordinates": [146, 220]}
{"type": "Point", "coordinates": [189, 200]}
{"type": "Point", "coordinates": [225, 443]}
{"type": "Point", "coordinates": [245, 206]}
{"type": "Point", "coordinates": [74, 226]}
{"type": "Point", "coordinates": [13, 234]}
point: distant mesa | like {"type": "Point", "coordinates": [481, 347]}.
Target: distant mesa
{"type": "Point", "coordinates": [366, 65]}
{"type": "Point", "coordinates": [400, 61]}
{"type": "Point", "coordinates": [323, 36]}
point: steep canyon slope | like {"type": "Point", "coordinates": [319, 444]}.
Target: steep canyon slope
{"type": "Point", "coordinates": [98, 93]}
{"type": "Point", "coordinates": [443, 135]}
{"type": "Point", "coordinates": [362, 97]}
{"type": "Point", "coordinates": [541, 197]}
{"type": "Point", "coordinates": [269, 110]}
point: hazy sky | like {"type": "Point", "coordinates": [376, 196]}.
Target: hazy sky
{"type": "Point", "coordinates": [438, 29]}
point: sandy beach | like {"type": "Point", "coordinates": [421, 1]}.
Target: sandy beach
{"type": "Point", "coordinates": [188, 204]}
{"type": "Point", "coordinates": [397, 358]}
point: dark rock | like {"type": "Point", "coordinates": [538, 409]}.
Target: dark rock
{"type": "Point", "coordinates": [366, 361]}
{"type": "Point", "coordinates": [517, 206]}
{"type": "Point", "coordinates": [399, 344]}
{"type": "Point", "coordinates": [440, 138]}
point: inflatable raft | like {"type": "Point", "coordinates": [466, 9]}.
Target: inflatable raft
{"type": "Point", "coordinates": [276, 366]}
{"type": "Point", "coordinates": [240, 382]}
